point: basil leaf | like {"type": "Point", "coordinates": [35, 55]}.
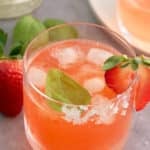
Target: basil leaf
{"type": "Point", "coordinates": [3, 37]}
{"type": "Point", "coordinates": [63, 32]}
{"type": "Point", "coordinates": [26, 29]}
{"type": "Point", "coordinates": [61, 87]}
{"type": "Point", "coordinates": [52, 22]}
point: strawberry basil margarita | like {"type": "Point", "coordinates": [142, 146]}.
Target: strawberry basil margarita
{"type": "Point", "coordinates": [73, 98]}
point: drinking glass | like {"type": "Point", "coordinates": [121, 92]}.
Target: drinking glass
{"type": "Point", "coordinates": [103, 124]}
{"type": "Point", "coordinates": [133, 17]}
{"type": "Point", "coordinates": [16, 8]}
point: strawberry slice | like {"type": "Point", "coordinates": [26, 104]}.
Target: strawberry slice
{"type": "Point", "coordinates": [143, 89]}
{"type": "Point", "coordinates": [118, 79]}
{"type": "Point", "coordinates": [120, 72]}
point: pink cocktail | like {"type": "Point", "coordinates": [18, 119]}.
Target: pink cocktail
{"type": "Point", "coordinates": [105, 121]}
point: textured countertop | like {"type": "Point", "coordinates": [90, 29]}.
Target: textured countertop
{"type": "Point", "coordinates": [12, 135]}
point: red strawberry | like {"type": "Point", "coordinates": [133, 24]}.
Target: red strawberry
{"type": "Point", "coordinates": [118, 79]}
{"type": "Point", "coordinates": [11, 90]}
{"type": "Point", "coordinates": [143, 89]}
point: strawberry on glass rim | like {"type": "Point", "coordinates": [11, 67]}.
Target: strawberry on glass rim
{"type": "Point", "coordinates": [120, 70]}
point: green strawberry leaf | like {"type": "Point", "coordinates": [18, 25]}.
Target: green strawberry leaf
{"type": "Point", "coordinates": [26, 29]}
{"type": "Point", "coordinates": [3, 37]}
{"type": "Point", "coordinates": [1, 50]}
{"type": "Point", "coordinates": [134, 65]}
{"type": "Point", "coordinates": [146, 61]}
{"type": "Point", "coordinates": [123, 65]}
{"type": "Point", "coordinates": [52, 22]}
{"type": "Point", "coordinates": [61, 87]}
{"type": "Point", "coordinates": [16, 49]}
{"type": "Point", "coordinates": [135, 62]}
{"type": "Point", "coordinates": [124, 61]}
{"type": "Point", "coordinates": [113, 61]}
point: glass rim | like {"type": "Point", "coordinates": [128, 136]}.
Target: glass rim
{"type": "Point", "coordinates": [25, 60]}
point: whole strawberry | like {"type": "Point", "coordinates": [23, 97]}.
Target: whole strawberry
{"type": "Point", "coordinates": [11, 90]}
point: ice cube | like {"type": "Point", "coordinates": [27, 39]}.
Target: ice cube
{"type": "Point", "coordinates": [100, 112]}
{"type": "Point", "coordinates": [94, 84]}
{"type": "Point", "coordinates": [67, 56]}
{"type": "Point", "coordinates": [89, 69]}
{"type": "Point", "coordinates": [125, 104]}
{"type": "Point", "coordinates": [103, 109]}
{"type": "Point", "coordinates": [123, 112]}
{"type": "Point", "coordinates": [102, 100]}
{"type": "Point", "coordinates": [98, 56]}
{"type": "Point", "coordinates": [37, 76]}
{"type": "Point", "coordinates": [72, 114]}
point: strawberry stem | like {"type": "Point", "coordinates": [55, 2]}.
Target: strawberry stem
{"type": "Point", "coordinates": [124, 61]}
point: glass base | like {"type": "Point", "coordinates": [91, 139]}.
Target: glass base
{"type": "Point", "coordinates": [36, 146]}
{"type": "Point", "coordinates": [16, 8]}
{"type": "Point", "coordinates": [31, 139]}
{"type": "Point", "coordinates": [142, 45]}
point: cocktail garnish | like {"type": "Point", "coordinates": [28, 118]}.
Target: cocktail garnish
{"type": "Point", "coordinates": [120, 71]}
{"type": "Point", "coordinates": [61, 87]}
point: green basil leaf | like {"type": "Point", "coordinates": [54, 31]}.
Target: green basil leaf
{"type": "Point", "coordinates": [52, 22]}
{"type": "Point", "coordinates": [26, 29]}
{"type": "Point", "coordinates": [3, 37]}
{"type": "Point", "coordinates": [63, 32]}
{"type": "Point", "coordinates": [61, 87]}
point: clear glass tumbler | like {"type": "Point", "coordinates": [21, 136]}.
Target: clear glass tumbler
{"type": "Point", "coordinates": [79, 50]}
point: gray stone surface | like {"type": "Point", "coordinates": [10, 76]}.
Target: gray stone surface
{"type": "Point", "coordinates": [12, 135]}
